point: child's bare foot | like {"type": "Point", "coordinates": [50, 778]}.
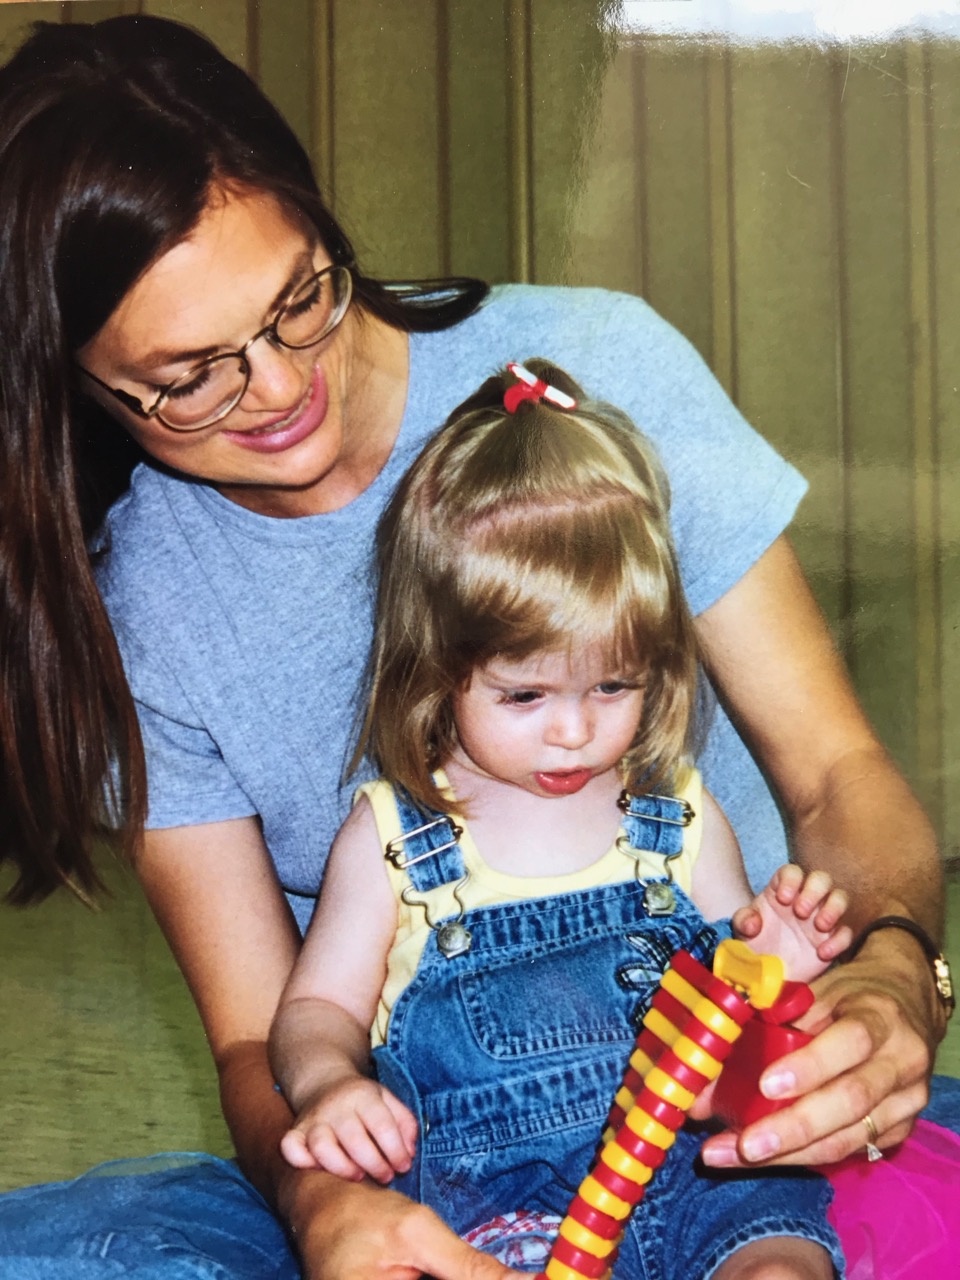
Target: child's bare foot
{"type": "Point", "coordinates": [797, 917]}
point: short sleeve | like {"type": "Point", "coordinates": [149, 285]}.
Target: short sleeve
{"type": "Point", "coordinates": [188, 781]}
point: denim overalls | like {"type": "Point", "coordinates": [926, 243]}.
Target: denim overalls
{"type": "Point", "coordinates": [510, 1048]}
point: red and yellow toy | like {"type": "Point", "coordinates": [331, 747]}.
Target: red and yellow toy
{"type": "Point", "coordinates": [687, 1039]}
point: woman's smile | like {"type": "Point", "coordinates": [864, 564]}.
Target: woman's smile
{"type": "Point", "coordinates": [289, 429]}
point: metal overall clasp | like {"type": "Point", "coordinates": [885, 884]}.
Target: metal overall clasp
{"type": "Point", "coordinates": [659, 898]}
{"type": "Point", "coordinates": [453, 937]}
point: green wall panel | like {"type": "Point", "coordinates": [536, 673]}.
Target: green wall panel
{"type": "Point", "coordinates": [944, 134]}
{"type": "Point", "coordinates": [569, 56]}
{"type": "Point", "coordinates": [286, 61]}
{"type": "Point", "coordinates": [15, 20]}
{"type": "Point", "coordinates": [881, 638]}
{"type": "Point", "coordinates": [785, 279]}
{"type": "Point", "coordinates": [677, 236]}
{"type": "Point", "coordinates": [478, 164]}
{"type": "Point", "coordinates": [386, 133]}
{"type": "Point", "coordinates": [224, 21]}
{"type": "Point", "coordinates": [607, 221]}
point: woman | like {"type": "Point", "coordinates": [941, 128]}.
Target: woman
{"type": "Point", "coordinates": [174, 291]}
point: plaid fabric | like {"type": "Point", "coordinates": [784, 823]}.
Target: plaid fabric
{"type": "Point", "coordinates": [520, 1240]}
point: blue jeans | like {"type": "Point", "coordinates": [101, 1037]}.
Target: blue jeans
{"type": "Point", "coordinates": [177, 1217]}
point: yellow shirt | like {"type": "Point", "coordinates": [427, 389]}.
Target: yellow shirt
{"type": "Point", "coordinates": [486, 887]}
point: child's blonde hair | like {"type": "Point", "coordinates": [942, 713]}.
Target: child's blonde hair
{"type": "Point", "coordinates": [543, 529]}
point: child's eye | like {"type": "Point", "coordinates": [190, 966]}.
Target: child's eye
{"type": "Point", "coordinates": [610, 688]}
{"type": "Point", "coordinates": [520, 697]}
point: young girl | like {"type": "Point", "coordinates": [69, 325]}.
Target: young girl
{"type": "Point", "coordinates": [499, 907]}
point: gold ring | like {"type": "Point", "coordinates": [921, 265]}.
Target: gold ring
{"type": "Point", "coordinates": [873, 1151]}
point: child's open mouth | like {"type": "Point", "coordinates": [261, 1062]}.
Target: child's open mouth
{"type": "Point", "coordinates": [563, 783]}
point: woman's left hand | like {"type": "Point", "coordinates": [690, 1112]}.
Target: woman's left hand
{"type": "Point", "coordinates": [869, 1057]}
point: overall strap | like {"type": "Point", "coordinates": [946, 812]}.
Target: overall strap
{"type": "Point", "coordinates": [655, 823]}
{"type": "Point", "coordinates": [428, 848]}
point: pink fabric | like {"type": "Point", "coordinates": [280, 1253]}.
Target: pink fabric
{"type": "Point", "coordinates": [899, 1218]}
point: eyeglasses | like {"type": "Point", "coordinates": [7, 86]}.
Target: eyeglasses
{"type": "Point", "coordinates": [206, 393]}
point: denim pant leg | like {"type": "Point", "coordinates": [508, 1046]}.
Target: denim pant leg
{"type": "Point", "coordinates": [693, 1218]}
{"type": "Point", "coordinates": [178, 1217]}
{"type": "Point", "coordinates": [944, 1105]}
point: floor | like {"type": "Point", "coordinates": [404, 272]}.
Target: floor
{"type": "Point", "coordinates": [101, 1052]}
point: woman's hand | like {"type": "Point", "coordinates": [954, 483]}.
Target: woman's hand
{"type": "Point", "coordinates": [870, 1056]}
{"type": "Point", "coordinates": [358, 1231]}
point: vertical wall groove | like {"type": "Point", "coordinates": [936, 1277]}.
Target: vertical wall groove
{"type": "Point", "coordinates": [520, 160]}
{"type": "Point", "coordinates": [641, 235]}
{"type": "Point", "coordinates": [719, 159]}
{"type": "Point", "coordinates": [253, 38]}
{"type": "Point", "coordinates": [444, 157]}
{"type": "Point", "coordinates": [322, 118]}
{"type": "Point", "coordinates": [923, 406]}
{"type": "Point", "coordinates": [838, 146]}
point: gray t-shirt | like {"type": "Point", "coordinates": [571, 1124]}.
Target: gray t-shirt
{"type": "Point", "coordinates": [245, 636]}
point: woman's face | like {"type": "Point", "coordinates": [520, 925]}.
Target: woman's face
{"type": "Point", "coordinates": [278, 450]}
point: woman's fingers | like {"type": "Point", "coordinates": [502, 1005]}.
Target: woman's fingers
{"type": "Point", "coordinates": [702, 1108]}
{"type": "Point", "coordinates": [820, 1125]}
{"type": "Point", "coordinates": [871, 1061]}
{"type": "Point", "coordinates": [746, 1150]}
{"type": "Point", "coordinates": [444, 1256]}
{"type": "Point", "coordinates": [368, 1233]}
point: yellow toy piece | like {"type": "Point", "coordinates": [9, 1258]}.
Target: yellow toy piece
{"type": "Point", "coordinates": [760, 978]}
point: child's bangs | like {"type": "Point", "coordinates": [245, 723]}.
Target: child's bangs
{"type": "Point", "coordinates": [586, 574]}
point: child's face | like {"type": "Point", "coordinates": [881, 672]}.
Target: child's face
{"type": "Point", "coordinates": [548, 723]}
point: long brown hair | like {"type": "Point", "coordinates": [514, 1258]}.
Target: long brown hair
{"type": "Point", "coordinates": [111, 138]}
{"type": "Point", "coordinates": [543, 529]}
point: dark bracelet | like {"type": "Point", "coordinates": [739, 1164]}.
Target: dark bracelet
{"type": "Point", "coordinates": [938, 961]}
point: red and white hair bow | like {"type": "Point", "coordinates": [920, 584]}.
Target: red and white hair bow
{"type": "Point", "coordinates": [529, 387]}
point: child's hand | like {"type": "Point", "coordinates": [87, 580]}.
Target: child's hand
{"type": "Point", "coordinates": [354, 1129]}
{"type": "Point", "coordinates": [797, 917]}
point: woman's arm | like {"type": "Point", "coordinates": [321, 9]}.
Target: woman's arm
{"type": "Point", "coordinates": [216, 897]}
{"type": "Point", "coordinates": [215, 894]}
{"type": "Point", "coordinates": [850, 812]}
